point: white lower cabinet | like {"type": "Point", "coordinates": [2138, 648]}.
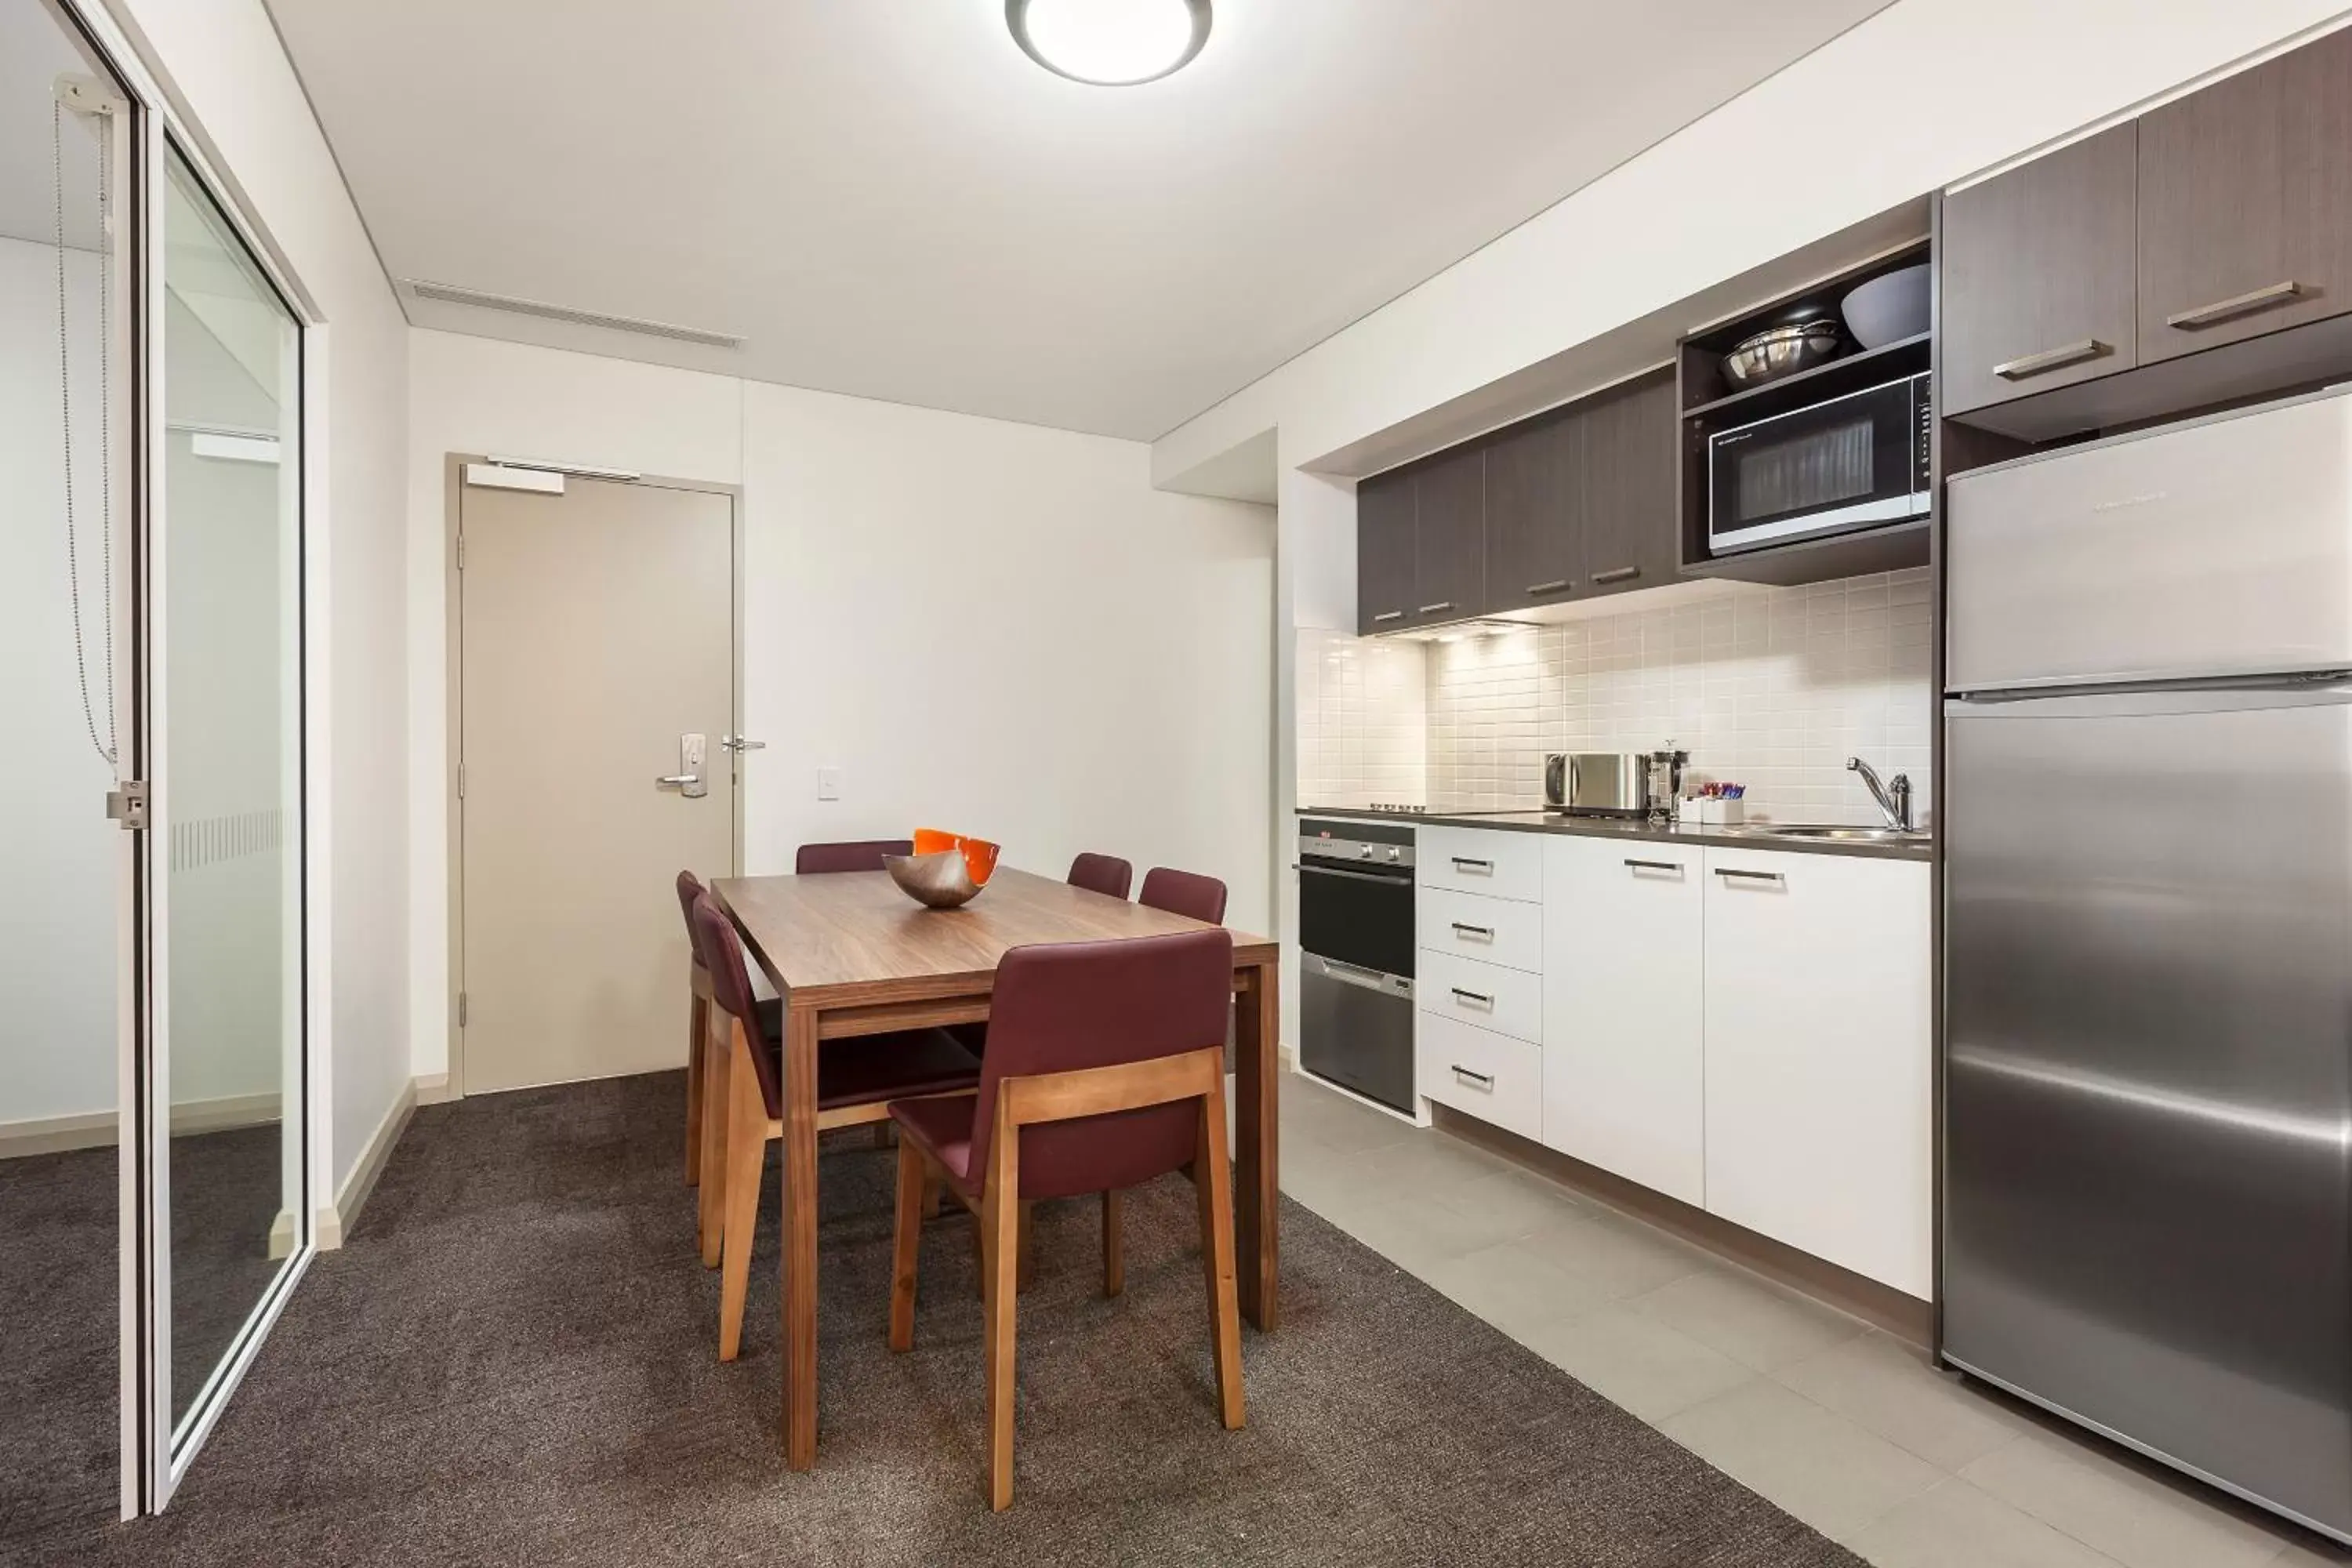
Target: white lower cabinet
{"type": "Point", "coordinates": [1818, 1071]}
{"type": "Point", "coordinates": [1624, 1047]}
{"type": "Point", "coordinates": [1492, 1077]}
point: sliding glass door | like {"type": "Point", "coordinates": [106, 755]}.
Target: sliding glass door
{"type": "Point", "coordinates": [225, 851]}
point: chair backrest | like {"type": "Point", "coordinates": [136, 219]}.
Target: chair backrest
{"type": "Point", "coordinates": [689, 888]}
{"type": "Point", "coordinates": [1105, 874]}
{"type": "Point", "coordinates": [1066, 1005]}
{"type": "Point", "coordinates": [864, 855]}
{"type": "Point", "coordinates": [1185, 893]}
{"type": "Point", "coordinates": [731, 988]}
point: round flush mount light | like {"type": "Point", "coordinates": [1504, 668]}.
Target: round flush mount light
{"type": "Point", "coordinates": [1110, 43]}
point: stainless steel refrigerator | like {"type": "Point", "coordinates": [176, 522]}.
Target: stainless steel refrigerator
{"type": "Point", "coordinates": [2147, 885]}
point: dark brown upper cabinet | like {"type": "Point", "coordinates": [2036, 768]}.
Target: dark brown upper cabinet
{"type": "Point", "coordinates": [2038, 274]}
{"type": "Point", "coordinates": [1534, 513]}
{"type": "Point", "coordinates": [2245, 204]}
{"type": "Point", "coordinates": [1449, 555]}
{"type": "Point", "coordinates": [1631, 525]}
{"type": "Point", "coordinates": [1384, 552]}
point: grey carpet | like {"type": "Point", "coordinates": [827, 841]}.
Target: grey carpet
{"type": "Point", "coordinates": [60, 1314]}
{"type": "Point", "coordinates": [60, 1323]}
{"type": "Point", "coordinates": [512, 1362]}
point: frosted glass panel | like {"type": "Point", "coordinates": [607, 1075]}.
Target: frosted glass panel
{"type": "Point", "coordinates": [230, 787]}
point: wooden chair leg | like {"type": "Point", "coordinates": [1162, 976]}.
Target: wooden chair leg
{"type": "Point", "coordinates": [697, 1024]}
{"type": "Point", "coordinates": [747, 1153]}
{"type": "Point", "coordinates": [979, 1254]}
{"type": "Point", "coordinates": [1114, 1254]}
{"type": "Point", "coordinates": [1215, 1178]}
{"type": "Point", "coordinates": [931, 1196]}
{"type": "Point", "coordinates": [1025, 1264]}
{"type": "Point", "coordinates": [906, 1244]}
{"type": "Point", "coordinates": [999, 1296]}
{"type": "Point", "coordinates": [718, 1110]}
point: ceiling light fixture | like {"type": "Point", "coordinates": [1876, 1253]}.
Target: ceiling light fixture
{"type": "Point", "coordinates": [1110, 43]}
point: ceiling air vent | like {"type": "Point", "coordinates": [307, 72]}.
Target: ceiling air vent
{"type": "Point", "coordinates": [450, 294]}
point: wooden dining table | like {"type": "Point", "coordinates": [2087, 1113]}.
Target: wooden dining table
{"type": "Point", "coordinates": [851, 954]}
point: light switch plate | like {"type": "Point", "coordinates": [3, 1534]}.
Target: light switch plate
{"type": "Point", "coordinates": [828, 783]}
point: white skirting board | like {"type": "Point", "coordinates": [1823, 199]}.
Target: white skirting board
{"type": "Point", "coordinates": [97, 1129]}
{"type": "Point", "coordinates": [335, 1220]}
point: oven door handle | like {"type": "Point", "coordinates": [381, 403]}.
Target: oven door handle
{"type": "Point", "coordinates": [1357, 876]}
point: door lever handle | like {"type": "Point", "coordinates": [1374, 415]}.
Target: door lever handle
{"type": "Point", "coordinates": [739, 744]}
{"type": "Point", "coordinates": [678, 781]}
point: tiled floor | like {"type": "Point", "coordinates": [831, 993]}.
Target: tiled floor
{"type": "Point", "coordinates": [1847, 1429]}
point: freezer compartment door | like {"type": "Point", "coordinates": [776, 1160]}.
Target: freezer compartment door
{"type": "Point", "coordinates": [2218, 547]}
{"type": "Point", "coordinates": [2148, 1088]}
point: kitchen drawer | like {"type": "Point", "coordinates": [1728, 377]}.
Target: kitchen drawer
{"type": "Point", "coordinates": [1480, 1073]}
{"type": "Point", "coordinates": [1481, 860]}
{"type": "Point", "coordinates": [1508, 1000]}
{"type": "Point", "coordinates": [1481, 927]}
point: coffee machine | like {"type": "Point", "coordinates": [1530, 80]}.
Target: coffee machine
{"type": "Point", "coordinates": [1663, 783]}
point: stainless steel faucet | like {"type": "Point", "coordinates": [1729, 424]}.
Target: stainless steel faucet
{"type": "Point", "coordinates": [1894, 799]}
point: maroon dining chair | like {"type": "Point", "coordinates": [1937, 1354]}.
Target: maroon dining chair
{"type": "Point", "coordinates": [1105, 874]}
{"type": "Point", "coordinates": [859, 855]}
{"type": "Point", "coordinates": [1185, 893]}
{"type": "Point", "coordinates": [1105, 1069]}
{"type": "Point", "coordinates": [857, 1078]}
{"type": "Point", "coordinates": [698, 1026]}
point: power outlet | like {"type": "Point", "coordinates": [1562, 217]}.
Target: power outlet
{"type": "Point", "coordinates": [828, 783]}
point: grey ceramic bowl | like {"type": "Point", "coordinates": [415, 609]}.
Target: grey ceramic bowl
{"type": "Point", "coordinates": [940, 881]}
{"type": "Point", "coordinates": [1888, 308]}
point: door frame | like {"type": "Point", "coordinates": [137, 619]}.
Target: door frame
{"type": "Point", "coordinates": [157, 123]}
{"type": "Point", "coordinates": [452, 591]}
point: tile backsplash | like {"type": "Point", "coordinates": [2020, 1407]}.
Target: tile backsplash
{"type": "Point", "coordinates": [1363, 729]}
{"type": "Point", "coordinates": [1773, 688]}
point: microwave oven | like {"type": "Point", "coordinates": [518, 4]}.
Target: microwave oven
{"type": "Point", "coordinates": [1851, 462]}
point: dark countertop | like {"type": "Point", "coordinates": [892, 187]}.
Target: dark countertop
{"type": "Point", "coordinates": [1615, 828]}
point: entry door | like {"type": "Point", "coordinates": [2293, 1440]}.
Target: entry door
{"type": "Point", "coordinates": [597, 629]}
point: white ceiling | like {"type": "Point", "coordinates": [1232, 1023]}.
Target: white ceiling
{"type": "Point", "coordinates": [885, 197]}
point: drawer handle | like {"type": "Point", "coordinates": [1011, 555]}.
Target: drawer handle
{"type": "Point", "coordinates": [1559, 586]}
{"type": "Point", "coordinates": [1471, 996]}
{"type": "Point", "coordinates": [1617, 574]}
{"type": "Point", "coordinates": [1484, 933]}
{"type": "Point", "coordinates": [1733, 874]}
{"type": "Point", "coordinates": [1654, 866]}
{"type": "Point", "coordinates": [2052, 359]}
{"type": "Point", "coordinates": [1485, 1080]}
{"type": "Point", "coordinates": [2238, 305]}
{"type": "Point", "coordinates": [1433, 609]}
{"type": "Point", "coordinates": [1390, 615]}
{"type": "Point", "coordinates": [1464, 863]}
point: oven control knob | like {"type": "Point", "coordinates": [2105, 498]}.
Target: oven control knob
{"type": "Point", "coordinates": [1364, 853]}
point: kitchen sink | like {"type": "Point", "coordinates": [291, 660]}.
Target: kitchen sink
{"type": "Point", "coordinates": [1836, 834]}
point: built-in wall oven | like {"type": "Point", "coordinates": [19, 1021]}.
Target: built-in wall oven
{"type": "Point", "coordinates": [1356, 936]}
{"type": "Point", "coordinates": [1856, 461]}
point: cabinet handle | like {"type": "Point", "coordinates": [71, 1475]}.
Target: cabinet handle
{"type": "Point", "coordinates": [1483, 1080]}
{"type": "Point", "coordinates": [1390, 615]}
{"type": "Point", "coordinates": [1433, 609]}
{"type": "Point", "coordinates": [1729, 872]}
{"type": "Point", "coordinates": [2239, 305]}
{"type": "Point", "coordinates": [1559, 586]}
{"type": "Point", "coordinates": [1617, 574]}
{"type": "Point", "coordinates": [1464, 863]}
{"type": "Point", "coordinates": [1484, 932]}
{"type": "Point", "coordinates": [1472, 997]}
{"type": "Point", "coordinates": [1654, 866]}
{"type": "Point", "coordinates": [2052, 359]}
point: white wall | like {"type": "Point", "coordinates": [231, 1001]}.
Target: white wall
{"type": "Point", "coordinates": [58, 851]}
{"type": "Point", "coordinates": [1924, 93]}
{"type": "Point", "coordinates": [989, 627]}
{"type": "Point", "coordinates": [222, 61]}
